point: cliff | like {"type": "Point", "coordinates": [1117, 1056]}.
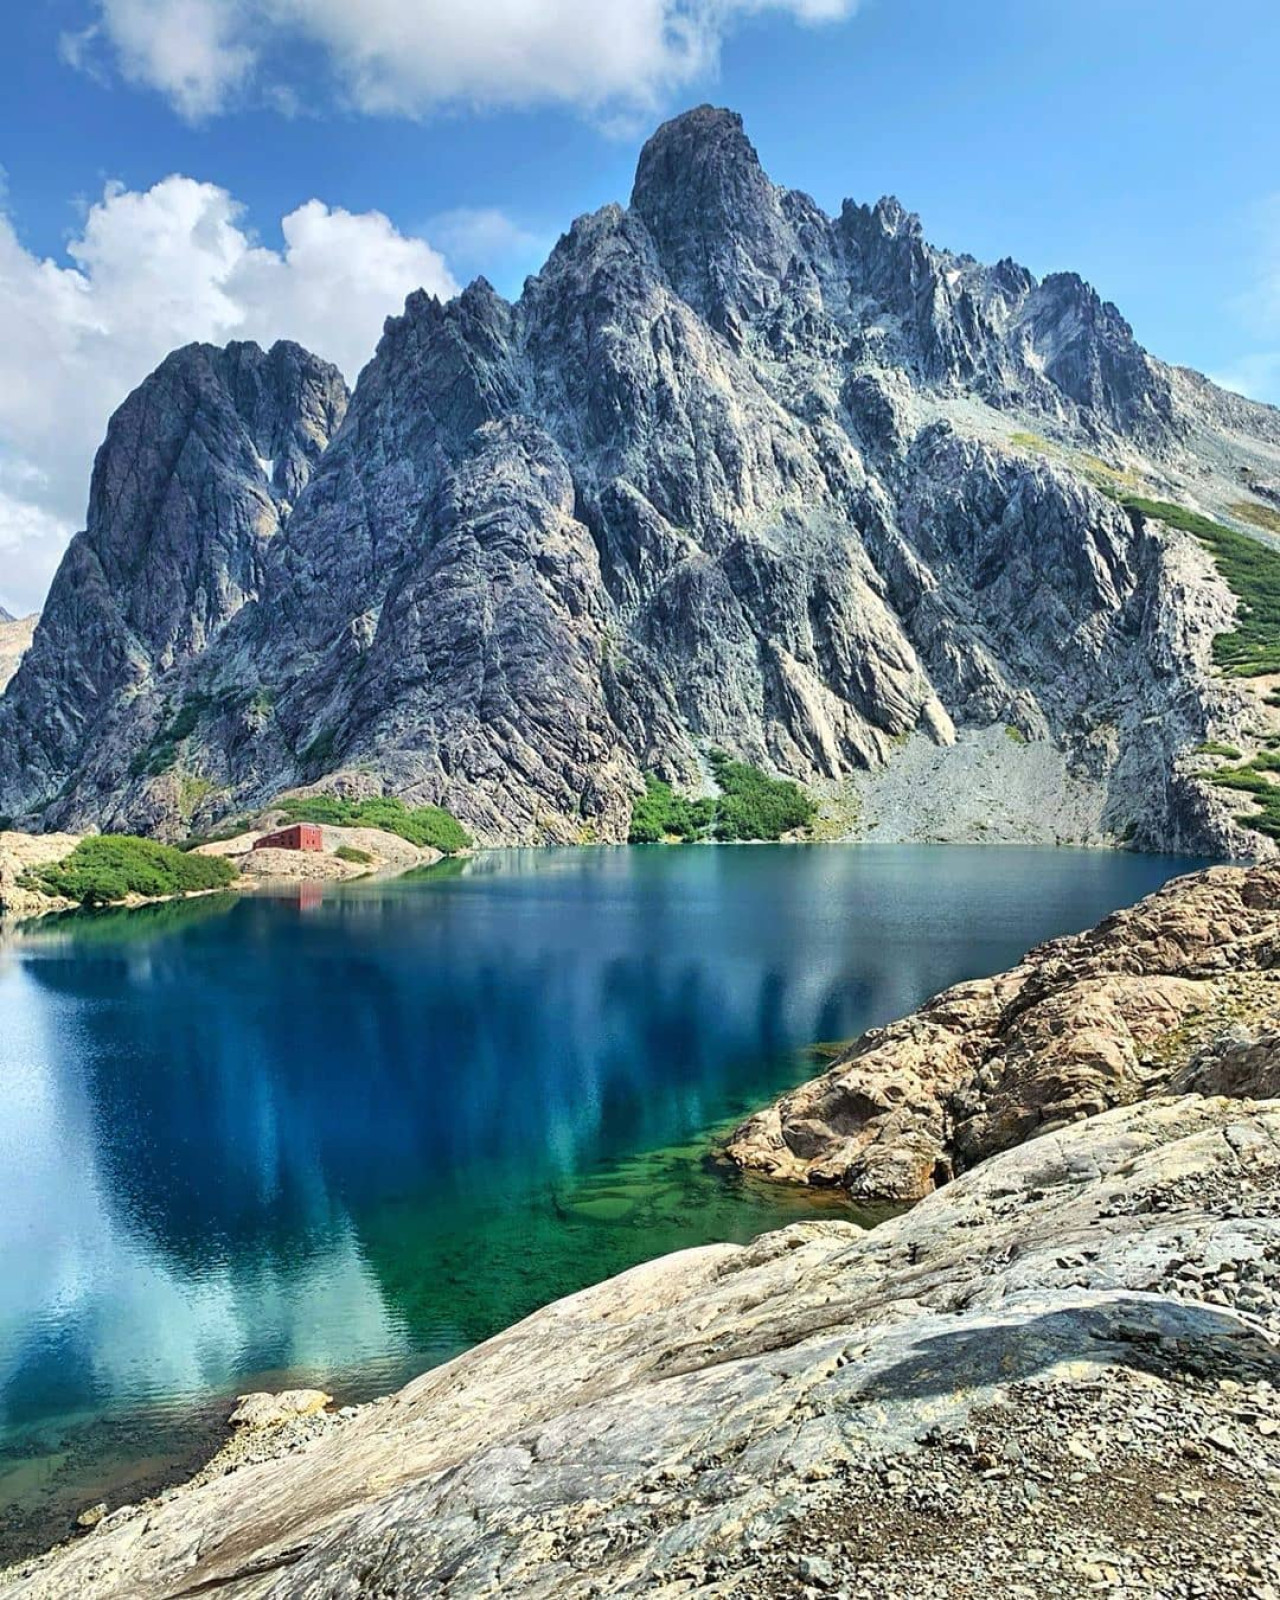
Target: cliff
{"type": "Point", "coordinates": [730, 473]}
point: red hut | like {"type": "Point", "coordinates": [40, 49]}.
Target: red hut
{"type": "Point", "coordinates": [301, 836]}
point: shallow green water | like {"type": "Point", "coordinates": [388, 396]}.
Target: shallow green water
{"type": "Point", "coordinates": [333, 1136]}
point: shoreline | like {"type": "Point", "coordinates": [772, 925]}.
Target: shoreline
{"type": "Point", "coordinates": [1246, 902]}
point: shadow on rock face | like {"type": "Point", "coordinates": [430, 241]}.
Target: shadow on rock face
{"type": "Point", "coordinates": [1149, 1334]}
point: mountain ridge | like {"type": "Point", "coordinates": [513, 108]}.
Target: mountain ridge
{"type": "Point", "coordinates": [729, 473]}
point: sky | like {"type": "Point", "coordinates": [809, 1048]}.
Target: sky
{"type": "Point", "coordinates": [174, 170]}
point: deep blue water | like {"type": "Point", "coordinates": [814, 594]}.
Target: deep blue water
{"type": "Point", "coordinates": [334, 1136]}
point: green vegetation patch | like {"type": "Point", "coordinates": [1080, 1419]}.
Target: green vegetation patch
{"type": "Point", "coordinates": [1261, 516]}
{"type": "Point", "coordinates": [751, 806]}
{"type": "Point", "coordinates": [348, 852]}
{"type": "Point", "coordinates": [1252, 573]}
{"type": "Point", "coordinates": [1215, 747]}
{"type": "Point", "coordinates": [110, 867]}
{"type": "Point", "coordinates": [429, 827]}
{"type": "Point", "coordinates": [1252, 779]}
{"type": "Point", "coordinates": [663, 814]}
{"type": "Point", "coordinates": [162, 752]}
{"type": "Point", "coordinates": [755, 806]}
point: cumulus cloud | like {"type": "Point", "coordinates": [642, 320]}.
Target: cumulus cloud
{"type": "Point", "coordinates": [408, 57]}
{"type": "Point", "coordinates": [150, 270]}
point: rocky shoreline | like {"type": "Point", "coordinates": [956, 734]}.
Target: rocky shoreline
{"type": "Point", "coordinates": [366, 852]}
{"type": "Point", "coordinates": [1058, 1373]}
{"type": "Point", "coordinates": [1178, 994]}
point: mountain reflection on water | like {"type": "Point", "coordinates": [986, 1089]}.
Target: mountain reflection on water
{"type": "Point", "coordinates": [336, 1135]}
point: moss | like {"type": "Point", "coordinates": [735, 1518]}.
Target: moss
{"type": "Point", "coordinates": [110, 867]}
{"type": "Point", "coordinates": [429, 827]}
{"type": "Point", "coordinates": [1015, 734]}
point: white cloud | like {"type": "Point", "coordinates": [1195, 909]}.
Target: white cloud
{"type": "Point", "coordinates": [147, 272]}
{"type": "Point", "coordinates": [1256, 376]}
{"type": "Point", "coordinates": [193, 51]}
{"type": "Point", "coordinates": [408, 57]}
{"type": "Point", "coordinates": [485, 239]}
{"type": "Point", "coordinates": [1257, 373]}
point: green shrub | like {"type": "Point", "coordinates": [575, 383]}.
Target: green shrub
{"type": "Point", "coordinates": [663, 814]}
{"type": "Point", "coordinates": [1252, 780]}
{"type": "Point", "coordinates": [348, 852]}
{"type": "Point", "coordinates": [109, 867]}
{"type": "Point", "coordinates": [751, 806]}
{"type": "Point", "coordinates": [754, 806]}
{"type": "Point", "coordinates": [1214, 747]}
{"type": "Point", "coordinates": [1252, 573]}
{"type": "Point", "coordinates": [429, 827]}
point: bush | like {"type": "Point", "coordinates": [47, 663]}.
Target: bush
{"type": "Point", "coordinates": [348, 852]}
{"type": "Point", "coordinates": [1251, 779]}
{"type": "Point", "coordinates": [110, 867]}
{"type": "Point", "coordinates": [751, 806]}
{"type": "Point", "coordinates": [663, 814]}
{"type": "Point", "coordinates": [428, 827]}
{"type": "Point", "coordinates": [1215, 747]}
{"type": "Point", "coordinates": [754, 806]}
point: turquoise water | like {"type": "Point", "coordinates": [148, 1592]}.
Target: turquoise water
{"type": "Point", "coordinates": [335, 1135]}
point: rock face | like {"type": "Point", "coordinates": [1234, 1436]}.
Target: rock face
{"type": "Point", "coordinates": [199, 470]}
{"type": "Point", "coordinates": [1180, 993]}
{"type": "Point", "coordinates": [15, 641]}
{"type": "Point", "coordinates": [1059, 1364]}
{"type": "Point", "coordinates": [729, 473]}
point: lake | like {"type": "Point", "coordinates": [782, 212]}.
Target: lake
{"type": "Point", "coordinates": [333, 1135]}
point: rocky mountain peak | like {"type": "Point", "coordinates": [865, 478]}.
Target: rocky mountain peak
{"type": "Point", "coordinates": [729, 474]}
{"type": "Point", "coordinates": [197, 474]}
{"type": "Point", "coordinates": [719, 224]}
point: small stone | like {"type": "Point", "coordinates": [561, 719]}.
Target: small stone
{"type": "Point", "coordinates": [91, 1516]}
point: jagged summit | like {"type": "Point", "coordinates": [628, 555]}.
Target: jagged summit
{"type": "Point", "coordinates": [729, 473]}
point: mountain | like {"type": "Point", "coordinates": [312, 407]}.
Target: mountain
{"type": "Point", "coordinates": [730, 473]}
{"type": "Point", "coordinates": [15, 640]}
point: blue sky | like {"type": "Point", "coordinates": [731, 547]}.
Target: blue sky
{"type": "Point", "coordinates": [1135, 141]}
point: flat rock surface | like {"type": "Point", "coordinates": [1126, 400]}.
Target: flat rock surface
{"type": "Point", "coordinates": [1059, 1366]}
{"type": "Point", "coordinates": [387, 853]}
